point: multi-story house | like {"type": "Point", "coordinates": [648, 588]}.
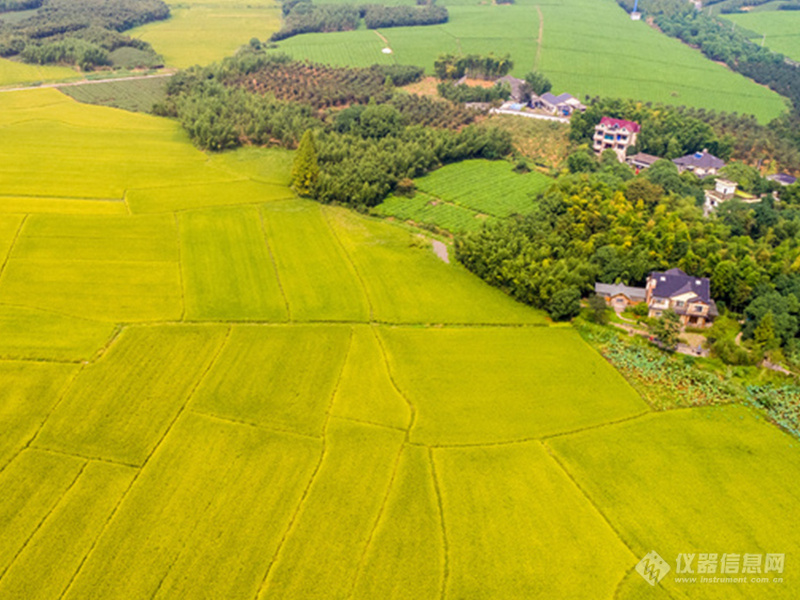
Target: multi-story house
{"type": "Point", "coordinates": [615, 134]}
{"type": "Point", "coordinates": [689, 297]}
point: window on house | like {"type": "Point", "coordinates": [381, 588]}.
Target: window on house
{"type": "Point", "coordinates": [680, 303]}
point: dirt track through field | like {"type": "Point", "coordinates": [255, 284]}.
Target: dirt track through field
{"type": "Point", "coordinates": [539, 39]}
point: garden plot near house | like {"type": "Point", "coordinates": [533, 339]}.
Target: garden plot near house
{"type": "Point", "coordinates": [428, 211]}
{"type": "Point", "coordinates": [485, 186]}
{"type": "Point", "coordinates": [491, 385]}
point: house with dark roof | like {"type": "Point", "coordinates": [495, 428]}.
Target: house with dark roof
{"type": "Point", "coordinates": [619, 296]}
{"type": "Point", "coordinates": [641, 161]}
{"type": "Point", "coordinates": [782, 178]}
{"type": "Point", "coordinates": [563, 105]}
{"type": "Point", "coordinates": [689, 297]}
{"type": "Point", "coordinates": [615, 134]}
{"type": "Point", "coordinates": [701, 164]}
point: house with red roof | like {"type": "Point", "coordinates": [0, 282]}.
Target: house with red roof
{"type": "Point", "coordinates": [615, 134]}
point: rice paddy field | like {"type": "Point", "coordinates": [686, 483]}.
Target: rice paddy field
{"type": "Point", "coordinates": [583, 46]}
{"type": "Point", "coordinates": [779, 30]}
{"type": "Point", "coordinates": [212, 389]}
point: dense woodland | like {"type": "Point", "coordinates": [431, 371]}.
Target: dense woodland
{"type": "Point", "coordinates": [80, 32]}
{"type": "Point", "coordinates": [603, 224]}
{"type": "Point", "coordinates": [472, 93]}
{"type": "Point", "coordinates": [363, 152]}
{"type": "Point", "coordinates": [302, 16]}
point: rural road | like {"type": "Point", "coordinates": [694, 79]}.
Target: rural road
{"type": "Point", "coordinates": [84, 82]}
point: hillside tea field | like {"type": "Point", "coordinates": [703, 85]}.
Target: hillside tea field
{"type": "Point", "coordinates": [212, 389]}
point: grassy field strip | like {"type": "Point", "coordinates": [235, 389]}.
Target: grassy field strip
{"type": "Point", "coordinates": [488, 187]}
{"type": "Point", "coordinates": [450, 374]}
{"type": "Point", "coordinates": [228, 272]}
{"type": "Point", "coordinates": [669, 468]}
{"type": "Point", "coordinates": [33, 484]}
{"type": "Point", "coordinates": [65, 206]}
{"type": "Point", "coordinates": [365, 391]}
{"type": "Point", "coordinates": [28, 392]}
{"type": "Point", "coordinates": [321, 554]}
{"type": "Point", "coordinates": [10, 226]}
{"type": "Point", "coordinates": [64, 538]}
{"type": "Point", "coordinates": [319, 282]}
{"type": "Point", "coordinates": [20, 73]}
{"type": "Point", "coordinates": [407, 283]}
{"type": "Point", "coordinates": [204, 516]}
{"type": "Point", "coordinates": [427, 210]}
{"type": "Point", "coordinates": [134, 392]}
{"type": "Point", "coordinates": [278, 377]}
{"type": "Point", "coordinates": [266, 165]}
{"type": "Point", "coordinates": [208, 32]}
{"type": "Point", "coordinates": [405, 558]}
{"type": "Point", "coordinates": [518, 528]}
{"type": "Point", "coordinates": [213, 193]}
{"type": "Point", "coordinates": [782, 29]}
{"type": "Point", "coordinates": [125, 239]}
{"type": "Point", "coordinates": [30, 334]}
{"type": "Point", "coordinates": [113, 291]}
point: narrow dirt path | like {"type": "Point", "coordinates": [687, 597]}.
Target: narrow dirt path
{"type": "Point", "coordinates": [539, 39]}
{"type": "Point", "coordinates": [84, 82]}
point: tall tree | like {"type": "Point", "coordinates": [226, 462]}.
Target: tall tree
{"type": "Point", "coordinates": [305, 170]}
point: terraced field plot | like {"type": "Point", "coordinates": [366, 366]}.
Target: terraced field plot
{"type": "Point", "coordinates": [487, 187]}
{"type": "Point", "coordinates": [426, 210]}
{"type": "Point", "coordinates": [587, 47]}
{"type": "Point", "coordinates": [218, 393]}
{"type": "Point", "coordinates": [135, 95]}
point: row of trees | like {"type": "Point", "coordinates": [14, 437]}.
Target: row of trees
{"type": "Point", "coordinates": [14, 5]}
{"type": "Point", "coordinates": [302, 16]}
{"type": "Point", "coordinates": [451, 66]}
{"type": "Point", "coordinates": [79, 32]}
{"type": "Point", "coordinates": [379, 16]}
{"type": "Point", "coordinates": [465, 93]}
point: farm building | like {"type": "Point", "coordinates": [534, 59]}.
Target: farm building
{"type": "Point", "coordinates": [782, 178]}
{"type": "Point", "coordinates": [563, 105]}
{"type": "Point", "coordinates": [619, 296]}
{"type": "Point", "coordinates": [701, 164]}
{"type": "Point", "coordinates": [689, 297]}
{"type": "Point", "coordinates": [641, 161]}
{"type": "Point", "coordinates": [518, 87]}
{"type": "Point", "coordinates": [615, 134]}
{"type": "Point", "coordinates": [723, 191]}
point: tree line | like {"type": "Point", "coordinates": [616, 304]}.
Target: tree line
{"type": "Point", "coordinates": [303, 16]}
{"type": "Point", "coordinates": [451, 66]}
{"type": "Point", "coordinates": [80, 32]}
{"type": "Point", "coordinates": [466, 93]}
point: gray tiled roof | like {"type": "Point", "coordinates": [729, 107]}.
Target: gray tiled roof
{"type": "Point", "coordinates": [700, 160]}
{"type": "Point", "coordinates": [613, 289]}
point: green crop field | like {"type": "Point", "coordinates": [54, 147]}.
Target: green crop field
{"type": "Point", "coordinates": [587, 47]}
{"type": "Point", "coordinates": [488, 187]}
{"type": "Point", "coordinates": [424, 210]}
{"type": "Point", "coordinates": [200, 32]}
{"type": "Point", "coordinates": [137, 95]}
{"type": "Point", "coordinates": [12, 72]}
{"type": "Point", "coordinates": [212, 389]}
{"type": "Point", "coordinates": [778, 29]}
